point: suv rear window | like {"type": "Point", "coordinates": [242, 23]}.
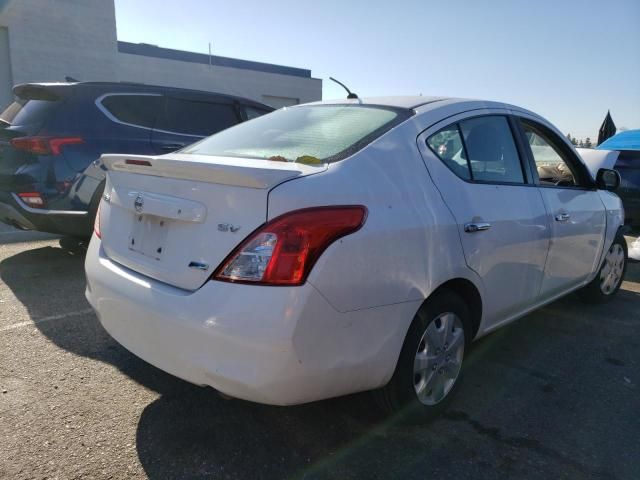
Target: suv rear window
{"type": "Point", "coordinates": [27, 112]}
{"type": "Point", "coordinates": [136, 110]}
{"type": "Point", "coordinates": [308, 134]}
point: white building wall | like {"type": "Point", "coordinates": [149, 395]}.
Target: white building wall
{"type": "Point", "coordinates": [6, 78]}
{"type": "Point", "coordinates": [251, 84]}
{"type": "Point", "coordinates": [51, 39]}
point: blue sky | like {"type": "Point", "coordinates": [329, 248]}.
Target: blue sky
{"type": "Point", "coordinates": [569, 61]}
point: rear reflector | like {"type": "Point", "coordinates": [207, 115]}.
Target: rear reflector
{"type": "Point", "coordinates": [32, 199]}
{"type": "Point", "coordinates": [284, 250]}
{"type": "Point", "coordinates": [44, 145]}
{"type": "Point", "coordinates": [144, 163]}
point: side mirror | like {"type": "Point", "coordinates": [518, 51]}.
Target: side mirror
{"type": "Point", "coordinates": [607, 179]}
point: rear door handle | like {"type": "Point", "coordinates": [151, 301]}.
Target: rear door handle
{"type": "Point", "coordinates": [562, 217]}
{"type": "Point", "coordinates": [171, 146]}
{"type": "Point", "coordinates": [476, 227]}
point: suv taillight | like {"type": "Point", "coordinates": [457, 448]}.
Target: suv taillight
{"type": "Point", "coordinates": [32, 199]}
{"type": "Point", "coordinates": [283, 251]}
{"type": "Point", "coordinates": [44, 145]}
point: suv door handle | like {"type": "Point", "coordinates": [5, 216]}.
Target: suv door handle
{"type": "Point", "coordinates": [562, 217]}
{"type": "Point", "coordinates": [171, 146]}
{"type": "Point", "coordinates": [476, 227]}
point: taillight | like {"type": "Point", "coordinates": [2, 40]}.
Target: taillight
{"type": "Point", "coordinates": [44, 145]}
{"type": "Point", "coordinates": [96, 223]}
{"type": "Point", "coordinates": [32, 199]}
{"type": "Point", "coordinates": [283, 251]}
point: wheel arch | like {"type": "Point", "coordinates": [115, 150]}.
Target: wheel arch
{"type": "Point", "coordinates": [469, 293]}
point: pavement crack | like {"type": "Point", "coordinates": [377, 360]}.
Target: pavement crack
{"type": "Point", "coordinates": [524, 442]}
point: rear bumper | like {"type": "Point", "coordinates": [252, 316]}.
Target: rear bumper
{"type": "Point", "coordinates": [13, 212]}
{"type": "Point", "coordinates": [274, 345]}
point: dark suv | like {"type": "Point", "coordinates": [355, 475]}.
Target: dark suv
{"type": "Point", "coordinates": [53, 134]}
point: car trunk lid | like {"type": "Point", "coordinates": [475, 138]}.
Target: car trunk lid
{"type": "Point", "coordinates": [176, 217]}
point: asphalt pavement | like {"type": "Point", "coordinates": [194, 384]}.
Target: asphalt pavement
{"type": "Point", "coordinates": [553, 395]}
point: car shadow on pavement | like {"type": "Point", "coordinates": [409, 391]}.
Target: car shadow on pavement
{"type": "Point", "coordinates": [50, 283]}
{"type": "Point", "coordinates": [190, 432]}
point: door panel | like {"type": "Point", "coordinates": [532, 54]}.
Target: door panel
{"type": "Point", "coordinates": [578, 223]}
{"type": "Point", "coordinates": [576, 214]}
{"type": "Point", "coordinates": [509, 256]}
{"type": "Point", "coordinates": [503, 228]}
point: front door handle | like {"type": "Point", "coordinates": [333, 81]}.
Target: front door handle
{"type": "Point", "coordinates": [476, 227]}
{"type": "Point", "coordinates": [562, 217]}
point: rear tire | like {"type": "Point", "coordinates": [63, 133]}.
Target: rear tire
{"type": "Point", "coordinates": [428, 371]}
{"type": "Point", "coordinates": [610, 276]}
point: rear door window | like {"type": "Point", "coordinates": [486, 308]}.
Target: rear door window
{"type": "Point", "coordinates": [493, 156]}
{"type": "Point", "coordinates": [447, 145]}
{"type": "Point", "coordinates": [131, 109]}
{"type": "Point", "coordinates": [479, 149]}
{"type": "Point", "coordinates": [196, 118]}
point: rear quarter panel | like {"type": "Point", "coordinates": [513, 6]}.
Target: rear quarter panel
{"type": "Point", "coordinates": [409, 244]}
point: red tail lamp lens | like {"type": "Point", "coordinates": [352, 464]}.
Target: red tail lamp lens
{"type": "Point", "coordinates": [284, 250]}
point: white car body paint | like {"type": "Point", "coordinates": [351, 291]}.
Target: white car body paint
{"type": "Point", "coordinates": [597, 159]}
{"type": "Point", "coordinates": [342, 331]}
{"type": "Point", "coordinates": [634, 250]}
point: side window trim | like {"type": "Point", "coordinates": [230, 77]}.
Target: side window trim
{"type": "Point", "coordinates": [529, 179]}
{"type": "Point", "coordinates": [570, 157]}
{"type": "Point", "coordinates": [466, 154]}
{"type": "Point", "coordinates": [530, 173]}
{"type": "Point", "coordinates": [112, 117]}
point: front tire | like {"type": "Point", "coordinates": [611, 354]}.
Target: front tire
{"type": "Point", "coordinates": [429, 368]}
{"type": "Point", "coordinates": [609, 278]}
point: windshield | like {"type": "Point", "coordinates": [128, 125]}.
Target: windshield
{"type": "Point", "coordinates": [308, 134]}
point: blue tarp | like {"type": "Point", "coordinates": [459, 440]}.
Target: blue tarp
{"type": "Point", "coordinates": [628, 140]}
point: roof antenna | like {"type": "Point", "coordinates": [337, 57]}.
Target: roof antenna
{"type": "Point", "coordinates": [351, 95]}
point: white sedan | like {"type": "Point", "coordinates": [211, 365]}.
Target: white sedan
{"type": "Point", "coordinates": [344, 246]}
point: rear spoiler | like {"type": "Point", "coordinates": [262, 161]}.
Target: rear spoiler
{"type": "Point", "coordinates": [39, 91]}
{"type": "Point", "coordinates": [242, 172]}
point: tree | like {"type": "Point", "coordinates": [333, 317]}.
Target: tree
{"type": "Point", "coordinates": [572, 139]}
{"type": "Point", "coordinates": [580, 143]}
{"type": "Point", "coordinates": [587, 143]}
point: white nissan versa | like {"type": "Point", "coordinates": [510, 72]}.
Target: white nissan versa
{"type": "Point", "coordinates": [344, 246]}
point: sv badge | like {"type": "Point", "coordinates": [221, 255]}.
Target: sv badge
{"type": "Point", "coordinates": [228, 227]}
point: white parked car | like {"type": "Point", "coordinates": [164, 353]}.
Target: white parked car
{"type": "Point", "coordinates": [344, 246]}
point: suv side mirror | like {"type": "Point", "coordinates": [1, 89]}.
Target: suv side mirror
{"type": "Point", "coordinates": [607, 179]}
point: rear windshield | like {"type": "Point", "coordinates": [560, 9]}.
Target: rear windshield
{"type": "Point", "coordinates": [308, 134]}
{"type": "Point", "coordinates": [27, 112]}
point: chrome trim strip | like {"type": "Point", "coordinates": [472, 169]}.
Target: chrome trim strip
{"type": "Point", "coordinates": [43, 211]}
{"type": "Point", "coordinates": [111, 117]}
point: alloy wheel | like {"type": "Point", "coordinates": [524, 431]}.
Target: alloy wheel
{"type": "Point", "coordinates": [612, 269]}
{"type": "Point", "coordinates": [438, 359]}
